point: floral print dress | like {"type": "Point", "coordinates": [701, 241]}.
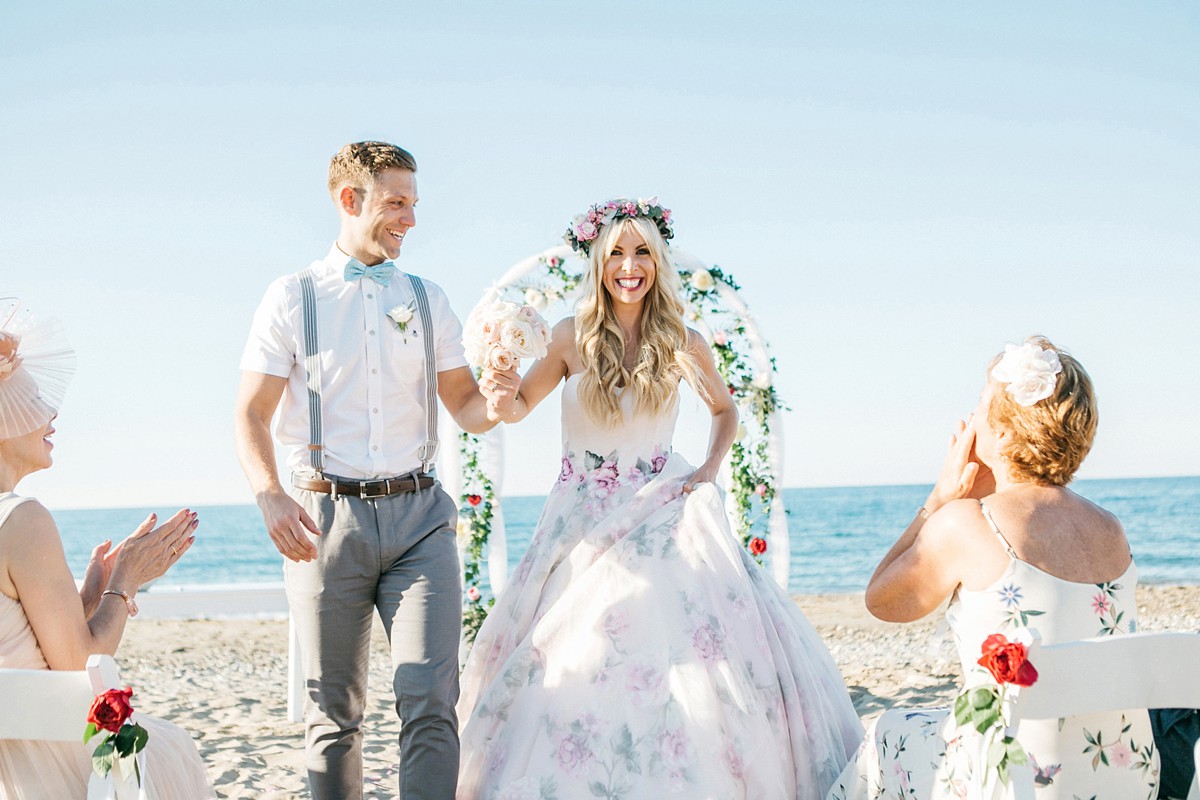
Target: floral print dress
{"type": "Point", "coordinates": [639, 652]}
{"type": "Point", "coordinates": [921, 753]}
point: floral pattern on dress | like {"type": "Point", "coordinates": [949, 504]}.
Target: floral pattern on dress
{"type": "Point", "coordinates": [923, 754]}
{"type": "Point", "coordinates": [633, 615]}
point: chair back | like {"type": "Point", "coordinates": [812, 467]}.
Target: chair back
{"type": "Point", "coordinates": [1138, 670]}
{"type": "Point", "coordinates": [52, 705]}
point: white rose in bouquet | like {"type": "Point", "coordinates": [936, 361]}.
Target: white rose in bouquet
{"type": "Point", "coordinates": [498, 335]}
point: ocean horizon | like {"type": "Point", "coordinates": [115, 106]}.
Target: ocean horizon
{"type": "Point", "coordinates": [837, 534]}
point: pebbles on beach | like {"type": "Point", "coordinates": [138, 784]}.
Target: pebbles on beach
{"type": "Point", "coordinates": [225, 681]}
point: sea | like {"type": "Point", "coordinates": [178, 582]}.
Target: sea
{"type": "Point", "coordinates": [837, 535]}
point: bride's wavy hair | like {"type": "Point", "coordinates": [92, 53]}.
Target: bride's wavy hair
{"type": "Point", "coordinates": [663, 356]}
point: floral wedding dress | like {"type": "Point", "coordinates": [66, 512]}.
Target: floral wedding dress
{"type": "Point", "coordinates": [639, 652]}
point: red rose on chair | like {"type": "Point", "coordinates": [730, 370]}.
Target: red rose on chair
{"type": "Point", "coordinates": [1007, 661]}
{"type": "Point", "coordinates": [110, 710]}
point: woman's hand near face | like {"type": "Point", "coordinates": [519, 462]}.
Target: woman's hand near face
{"type": "Point", "coordinates": [149, 552]}
{"type": "Point", "coordinates": [960, 471]}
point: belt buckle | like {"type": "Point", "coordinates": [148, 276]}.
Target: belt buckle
{"type": "Point", "coordinates": [362, 490]}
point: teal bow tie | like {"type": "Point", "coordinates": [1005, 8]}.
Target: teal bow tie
{"type": "Point", "coordinates": [380, 273]}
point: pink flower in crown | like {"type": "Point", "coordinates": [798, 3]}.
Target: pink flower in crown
{"type": "Point", "coordinates": [586, 231]}
{"type": "Point", "coordinates": [566, 472]}
{"type": "Point", "coordinates": [666, 215]}
{"type": "Point", "coordinates": [1101, 604]}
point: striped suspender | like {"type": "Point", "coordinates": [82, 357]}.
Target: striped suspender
{"type": "Point", "coordinates": [428, 452]}
{"type": "Point", "coordinates": [312, 365]}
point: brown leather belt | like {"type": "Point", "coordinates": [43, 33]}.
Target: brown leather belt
{"type": "Point", "coordinates": [381, 487]}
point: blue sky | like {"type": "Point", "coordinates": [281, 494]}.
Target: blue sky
{"type": "Point", "coordinates": [900, 188]}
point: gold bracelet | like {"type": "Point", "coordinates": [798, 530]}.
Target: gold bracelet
{"type": "Point", "coordinates": [130, 605]}
{"type": "Point", "coordinates": [923, 513]}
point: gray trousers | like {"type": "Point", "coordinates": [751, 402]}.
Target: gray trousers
{"type": "Point", "coordinates": [395, 555]}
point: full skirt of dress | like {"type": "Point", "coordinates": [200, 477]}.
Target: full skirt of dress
{"type": "Point", "coordinates": [639, 652]}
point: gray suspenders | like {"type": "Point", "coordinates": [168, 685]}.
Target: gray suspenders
{"type": "Point", "coordinates": [312, 366]}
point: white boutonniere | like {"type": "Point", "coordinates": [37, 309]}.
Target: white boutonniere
{"type": "Point", "coordinates": [401, 316]}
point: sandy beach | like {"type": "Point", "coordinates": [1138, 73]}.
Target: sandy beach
{"type": "Point", "coordinates": [224, 680]}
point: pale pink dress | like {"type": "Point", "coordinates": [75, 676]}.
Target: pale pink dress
{"type": "Point", "coordinates": [33, 770]}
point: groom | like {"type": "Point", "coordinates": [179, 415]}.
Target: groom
{"type": "Point", "coordinates": [356, 352]}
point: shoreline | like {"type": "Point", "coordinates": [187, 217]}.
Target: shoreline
{"type": "Point", "coordinates": [224, 680]}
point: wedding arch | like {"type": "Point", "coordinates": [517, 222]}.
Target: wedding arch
{"type": "Point", "coordinates": [472, 467]}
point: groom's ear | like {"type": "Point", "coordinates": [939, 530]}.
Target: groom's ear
{"type": "Point", "coordinates": [349, 200]}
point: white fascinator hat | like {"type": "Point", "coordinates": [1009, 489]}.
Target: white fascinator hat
{"type": "Point", "coordinates": [36, 364]}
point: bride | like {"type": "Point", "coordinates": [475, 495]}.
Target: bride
{"type": "Point", "coordinates": [640, 651]}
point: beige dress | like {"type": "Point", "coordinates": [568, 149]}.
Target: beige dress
{"type": "Point", "coordinates": [33, 770]}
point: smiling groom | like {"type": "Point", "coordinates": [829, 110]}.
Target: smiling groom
{"type": "Point", "coordinates": [354, 354]}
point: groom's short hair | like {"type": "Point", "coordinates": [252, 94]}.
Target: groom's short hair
{"type": "Point", "coordinates": [359, 163]}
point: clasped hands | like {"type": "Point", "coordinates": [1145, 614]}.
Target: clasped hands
{"type": "Point", "coordinates": [499, 389]}
{"type": "Point", "coordinates": [963, 475]}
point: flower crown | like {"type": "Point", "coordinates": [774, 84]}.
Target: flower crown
{"type": "Point", "coordinates": [1030, 372]}
{"type": "Point", "coordinates": [585, 228]}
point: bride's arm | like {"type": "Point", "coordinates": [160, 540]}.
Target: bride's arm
{"type": "Point", "coordinates": [715, 393]}
{"type": "Point", "coordinates": [543, 375]}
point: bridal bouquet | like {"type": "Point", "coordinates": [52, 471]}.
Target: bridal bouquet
{"type": "Point", "coordinates": [498, 335]}
{"type": "Point", "coordinates": [120, 739]}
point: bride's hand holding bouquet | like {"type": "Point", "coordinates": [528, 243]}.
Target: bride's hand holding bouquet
{"type": "Point", "coordinates": [496, 337]}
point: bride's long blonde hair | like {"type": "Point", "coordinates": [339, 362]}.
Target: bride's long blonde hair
{"type": "Point", "coordinates": [663, 357]}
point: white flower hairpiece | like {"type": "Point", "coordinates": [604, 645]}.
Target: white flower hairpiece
{"type": "Point", "coordinates": [1030, 372]}
{"type": "Point", "coordinates": [585, 228]}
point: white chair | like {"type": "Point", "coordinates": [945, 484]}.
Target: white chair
{"type": "Point", "coordinates": [1139, 670]}
{"type": "Point", "coordinates": [52, 705]}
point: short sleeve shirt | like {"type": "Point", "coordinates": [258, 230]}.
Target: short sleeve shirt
{"type": "Point", "coordinates": [372, 373]}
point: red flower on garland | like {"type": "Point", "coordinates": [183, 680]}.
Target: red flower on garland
{"type": "Point", "coordinates": [474, 499]}
{"type": "Point", "coordinates": [758, 546]}
{"type": "Point", "coordinates": [1007, 661]}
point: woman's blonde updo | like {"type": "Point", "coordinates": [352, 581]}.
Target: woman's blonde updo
{"type": "Point", "coordinates": [1048, 440]}
{"type": "Point", "coordinates": [663, 356]}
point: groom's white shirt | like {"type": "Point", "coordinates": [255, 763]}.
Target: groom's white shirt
{"type": "Point", "coordinates": [372, 379]}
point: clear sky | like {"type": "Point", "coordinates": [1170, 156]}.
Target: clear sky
{"type": "Point", "coordinates": [900, 188]}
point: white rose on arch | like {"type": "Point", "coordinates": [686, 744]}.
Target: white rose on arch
{"type": "Point", "coordinates": [762, 380]}
{"type": "Point", "coordinates": [536, 299]}
{"type": "Point", "coordinates": [1029, 372]}
{"type": "Point", "coordinates": [702, 280]}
